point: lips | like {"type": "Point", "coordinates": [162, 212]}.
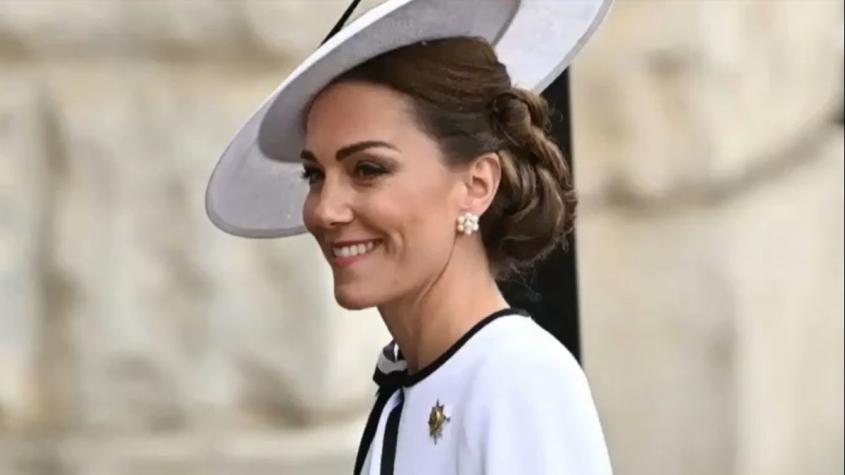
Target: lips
{"type": "Point", "coordinates": [346, 252]}
{"type": "Point", "coordinates": [351, 250]}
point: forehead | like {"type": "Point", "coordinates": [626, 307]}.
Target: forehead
{"type": "Point", "coordinates": [349, 112]}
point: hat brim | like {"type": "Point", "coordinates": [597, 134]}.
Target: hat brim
{"type": "Point", "coordinates": [256, 189]}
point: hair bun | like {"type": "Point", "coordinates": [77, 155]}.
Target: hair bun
{"type": "Point", "coordinates": [518, 110]}
{"type": "Point", "coordinates": [536, 206]}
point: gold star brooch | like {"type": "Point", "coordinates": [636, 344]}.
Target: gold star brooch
{"type": "Point", "coordinates": [436, 420]}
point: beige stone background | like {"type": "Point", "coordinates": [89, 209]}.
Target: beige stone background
{"type": "Point", "coordinates": [137, 339]}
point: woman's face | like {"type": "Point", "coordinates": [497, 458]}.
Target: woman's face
{"type": "Point", "coordinates": [382, 202]}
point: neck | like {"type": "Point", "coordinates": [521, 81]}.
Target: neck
{"type": "Point", "coordinates": [431, 319]}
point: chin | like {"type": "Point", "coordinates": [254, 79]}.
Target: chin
{"type": "Point", "coordinates": [353, 299]}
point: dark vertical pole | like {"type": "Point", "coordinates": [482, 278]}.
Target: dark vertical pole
{"type": "Point", "coordinates": [552, 294]}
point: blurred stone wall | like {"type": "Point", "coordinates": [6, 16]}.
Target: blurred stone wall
{"type": "Point", "coordinates": [711, 239]}
{"type": "Point", "coordinates": [137, 339]}
{"type": "Point", "coordinates": [134, 336]}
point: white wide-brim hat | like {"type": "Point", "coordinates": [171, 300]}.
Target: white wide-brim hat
{"type": "Point", "coordinates": [256, 189]}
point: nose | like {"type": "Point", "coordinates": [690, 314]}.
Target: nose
{"type": "Point", "coordinates": [330, 205]}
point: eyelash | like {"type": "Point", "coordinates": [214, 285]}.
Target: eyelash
{"type": "Point", "coordinates": [363, 170]}
{"type": "Point", "coordinates": [369, 170]}
{"type": "Point", "coordinates": [310, 174]}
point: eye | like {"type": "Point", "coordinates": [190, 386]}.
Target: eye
{"type": "Point", "coordinates": [369, 170]}
{"type": "Point", "coordinates": [311, 174]}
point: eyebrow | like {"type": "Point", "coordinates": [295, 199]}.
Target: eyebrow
{"type": "Point", "coordinates": [350, 149]}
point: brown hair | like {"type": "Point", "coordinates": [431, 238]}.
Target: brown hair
{"type": "Point", "coordinates": [463, 98]}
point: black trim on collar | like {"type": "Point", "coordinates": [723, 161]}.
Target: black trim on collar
{"type": "Point", "coordinates": [414, 378]}
{"type": "Point", "coordinates": [390, 382]}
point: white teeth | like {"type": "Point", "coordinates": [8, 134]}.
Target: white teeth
{"type": "Point", "coordinates": [353, 250]}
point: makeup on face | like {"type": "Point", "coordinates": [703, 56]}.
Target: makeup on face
{"type": "Point", "coordinates": [363, 165]}
{"type": "Point", "coordinates": [367, 163]}
{"type": "Point", "coordinates": [378, 188]}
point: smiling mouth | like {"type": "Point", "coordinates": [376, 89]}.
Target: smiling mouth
{"type": "Point", "coordinates": [349, 253]}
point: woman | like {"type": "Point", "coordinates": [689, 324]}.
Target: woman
{"type": "Point", "coordinates": [429, 176]}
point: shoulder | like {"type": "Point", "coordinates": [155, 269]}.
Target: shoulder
{"type": "Point", "coordinates": [531, 404]}
{"type": "Point", "coordinates": [521, 348]}
{"type": "Point", "coordinates": [521, 365]}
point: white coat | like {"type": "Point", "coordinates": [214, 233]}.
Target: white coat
{"type": "Point", "coordinates": [505, 399]}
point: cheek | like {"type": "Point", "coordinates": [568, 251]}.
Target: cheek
{"type": "Point", "coordinates": [416, 224]}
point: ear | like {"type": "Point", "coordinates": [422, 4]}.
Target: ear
{"type": "Point", "coordinates": [482, 180]}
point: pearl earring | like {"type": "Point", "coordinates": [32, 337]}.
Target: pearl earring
{"type": "Point", "coordinates": [467, 223]}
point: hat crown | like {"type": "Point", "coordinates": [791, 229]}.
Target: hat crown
{"type": "Point", "coordinates": [256, 189]}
